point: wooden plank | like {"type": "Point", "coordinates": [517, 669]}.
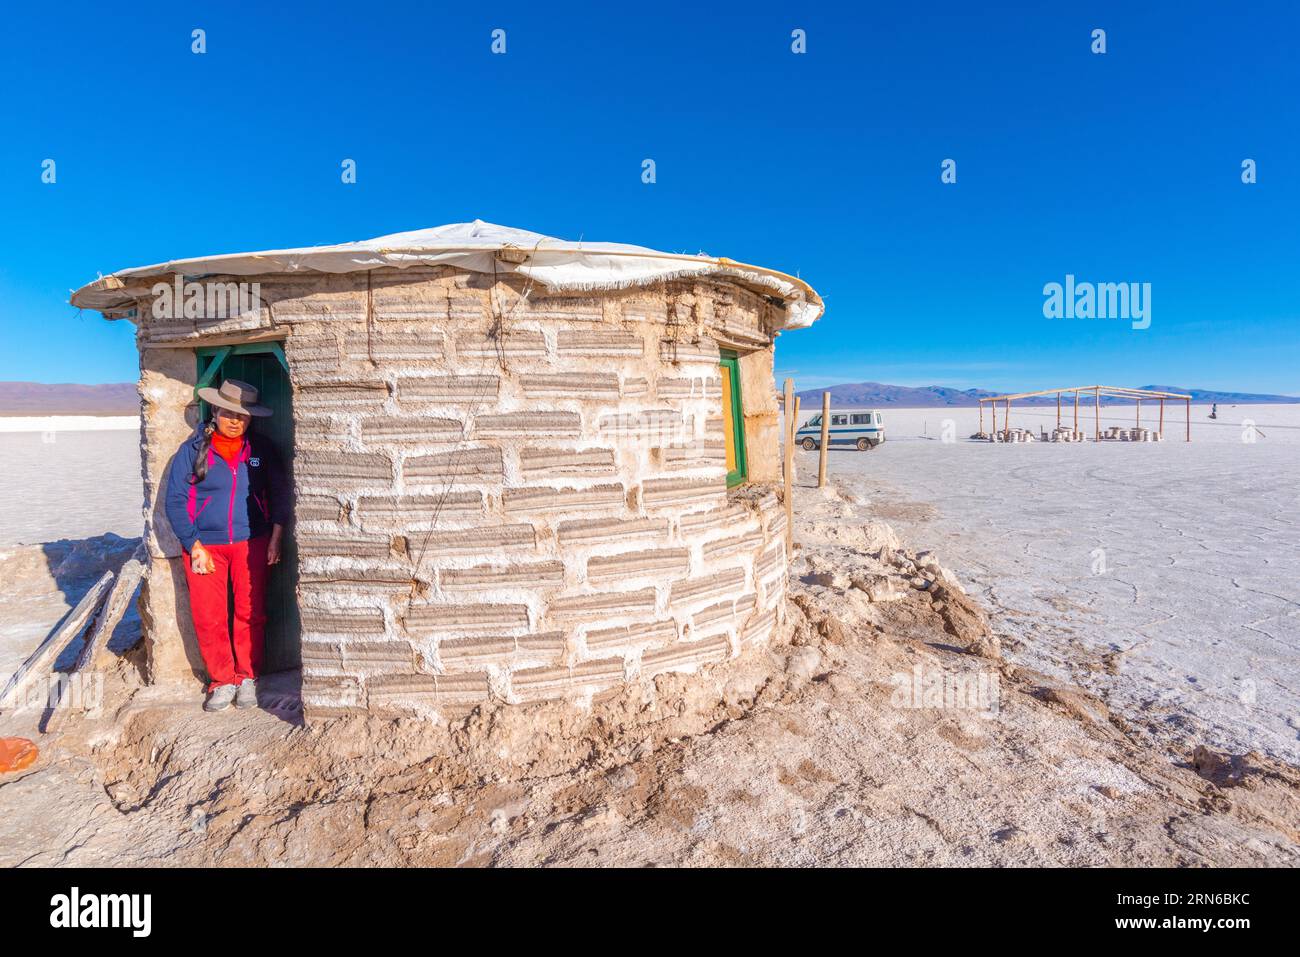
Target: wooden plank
{"type": "Point", "coordinates": [49, 649]}
{"type": "Point", "coordinates": [119, 599]}
{"type": "Point", "coordinates": [231, 339]}
{"type": "Point", "coordinates": [128, 578]}
{"type": "Point", "coordinates": [1117, 391]}
{"type": "Point", "coordinates": [788, 471]}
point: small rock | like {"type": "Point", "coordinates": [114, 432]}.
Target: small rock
{"type": "Point", "coordinates": [1075, 702]}
{"type": "Point", "coordinates": [803, 662]}
{"type": "Point", "coordinates": [884, 592]}
{"type": "Point", "coordinates": [1225, 770]}
{"type": "Point", "coordinates": [600, 817]}
{"type": "Point", "coordinates": [842, 685]}
{"type": "Point", "coordinates": [623, 777]}
{"type": "Point", "coordinates": [832, 629]}
{"type": "Point", "coordinates": [825, 573]}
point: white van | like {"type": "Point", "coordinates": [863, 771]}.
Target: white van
{"type": "Point", "coordinates": [862, 428]}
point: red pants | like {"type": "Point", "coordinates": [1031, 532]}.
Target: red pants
{"type": "Point", "coordinates": [231, 654]}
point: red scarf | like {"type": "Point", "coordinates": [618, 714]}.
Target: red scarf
{"type": "Point", "coordinates": [227, 448]}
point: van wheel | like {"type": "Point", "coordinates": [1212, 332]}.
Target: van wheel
{"type": "Point", "coordinates": [863, 445]}
{"type": "Point", "coordinates": [808, 445]}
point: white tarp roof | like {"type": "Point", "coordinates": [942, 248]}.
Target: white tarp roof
{"type": "Point", "coordinates": [555, 263]}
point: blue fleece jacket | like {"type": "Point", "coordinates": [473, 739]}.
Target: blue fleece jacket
{"type": "Point", "coordinates": [231, 503]}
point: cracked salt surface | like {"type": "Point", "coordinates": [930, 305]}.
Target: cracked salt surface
{"type": "Point", "coordinates": [1187, 621]}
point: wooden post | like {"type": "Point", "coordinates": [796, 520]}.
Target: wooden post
{"type": "Point", "coordinates": [1097, 426]}
{"type": "Point", "coordinates": [1138, 403]}
{"type": "Point", "coordinates": [1162, 416]}
{"type": "Point", "coordinates": [1189, 420]}
{"type": "Point", "coordinates": [128, 579]}
{"type": "Point", "coordinates": [826, 436]}
{"type": "Point", "coordinates": [789, 469]}
{"type": "Point", "coordinates": [1006, 423]}
{"type": "Point", "coordinates": [981, 416]}
{"type": "Point", "coordinates": [1076, 410]}
{"type": "Point", "coordinates": [49, 649]}
{"type": "Point", "coordinates": [1058, 410]}
{"type": "Point", "coordinates": [994, 407]}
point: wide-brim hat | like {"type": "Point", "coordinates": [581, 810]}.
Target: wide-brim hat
{"type": "Point", "coordinates": [236, 396]}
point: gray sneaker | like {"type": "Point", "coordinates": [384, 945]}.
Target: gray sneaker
{"type": "Point", "coordinates": [220, 698]}
{"type": "Point", "coordinates": [246, 697]}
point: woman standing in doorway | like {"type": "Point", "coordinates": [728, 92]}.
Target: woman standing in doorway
{"type": "Point", "coordinates": [228, 502]}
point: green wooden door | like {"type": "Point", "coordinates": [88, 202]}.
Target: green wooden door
{"type": "Point", "coordinates": [262, 366]}
{"type": "Point", "coordinates": [733, 419]}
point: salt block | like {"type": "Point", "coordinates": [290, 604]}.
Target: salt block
{"type": "Point", "coordinates": [16, 754]}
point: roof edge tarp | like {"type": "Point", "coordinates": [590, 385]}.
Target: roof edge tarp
{"type": "Point", "coordinates": [477, 246]}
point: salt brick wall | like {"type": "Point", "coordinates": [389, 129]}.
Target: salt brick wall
{"type": "Point", "coordinates": [504, 492]}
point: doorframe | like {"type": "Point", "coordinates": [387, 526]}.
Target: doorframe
{"type": "Point", "coordinates": [737, 476]}
{"type": "Point", "coordinates": [219, 354]}
{"type": "Point", "coordinates": [209, 361]}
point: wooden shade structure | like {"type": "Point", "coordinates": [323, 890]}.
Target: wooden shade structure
{"type": "Point", "coordinates": [1096, 391]}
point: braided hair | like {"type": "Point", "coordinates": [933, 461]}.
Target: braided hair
{"type": "Point", "coordinates": [200, 470]}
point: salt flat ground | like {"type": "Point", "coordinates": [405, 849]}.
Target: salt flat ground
{"type": "Point", "coordinates": [59, 482]}
{"type": "Point", "coordinates": [1164, 577]}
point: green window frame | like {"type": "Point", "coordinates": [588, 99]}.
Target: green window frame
{"type": "Point", "coordinates": [731, 362]}
{"type": "Point", "coordinates": [210, 359]}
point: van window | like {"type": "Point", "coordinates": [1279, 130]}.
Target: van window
{"type": "Point", "coordinates": [863, 418]}
{"type": "Point", "coordinates": [815, 420]}
{"type": "Point", "coordinates": [878, 422]}
{"type": "Point", "coordinates": [839, 420]}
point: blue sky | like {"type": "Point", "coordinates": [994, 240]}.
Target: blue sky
{"type": "Point", "coordinates": [1122, 167]}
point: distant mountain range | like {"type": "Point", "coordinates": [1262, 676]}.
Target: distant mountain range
{"type": "Point", "coordinates": [67, 398]}
{"type": "Point", "coordinates": [879, 394]}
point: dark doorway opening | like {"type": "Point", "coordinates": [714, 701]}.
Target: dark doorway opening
{"type": "Point", "coordinates": [263, 365]}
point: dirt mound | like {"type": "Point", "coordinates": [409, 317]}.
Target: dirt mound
{"type": "Point", "coordinates": [371, 790]}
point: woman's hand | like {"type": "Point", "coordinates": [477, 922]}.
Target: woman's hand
{"type": "Point", "coordinates": [200, 560]}
{"type": "Point", "coordinates": [273, 547]}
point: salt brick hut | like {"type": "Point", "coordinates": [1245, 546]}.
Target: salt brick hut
{"type": "Point", "coordinates": [524, 468]}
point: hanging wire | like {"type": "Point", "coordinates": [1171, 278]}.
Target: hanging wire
{"type": "Point", "coordinates": [496, 331]}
